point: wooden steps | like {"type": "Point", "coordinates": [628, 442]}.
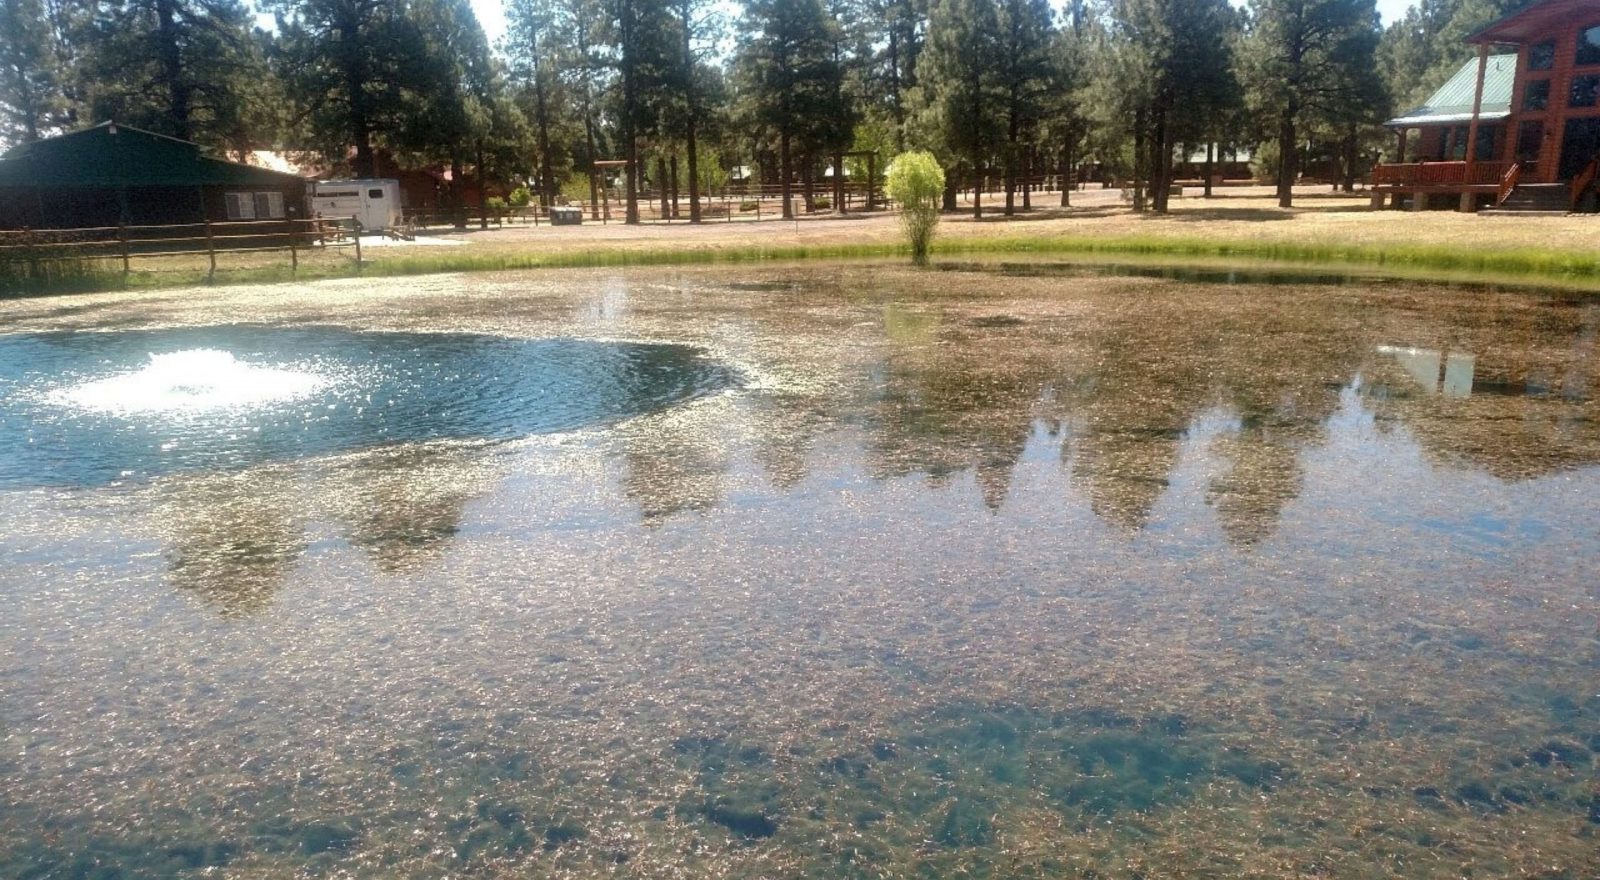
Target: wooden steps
{"type": "Point", "coordinates": [1536, 198]}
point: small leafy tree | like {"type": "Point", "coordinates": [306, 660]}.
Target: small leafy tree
{"type": "Point", "coordinates": [916, 181]}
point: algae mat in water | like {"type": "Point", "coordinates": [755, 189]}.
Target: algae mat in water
{"type": "Point", "coordinates": [969, 572]}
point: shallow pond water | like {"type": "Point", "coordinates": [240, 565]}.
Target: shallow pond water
{"type": "Point", "coordinates": [883, 573]}
{"type": "Point", "coordinates": [87, 408]}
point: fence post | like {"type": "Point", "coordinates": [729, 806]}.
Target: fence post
{"type": "Point", "coordinates": [294, 253]}
{"type": "Point", "coordinates": [122, 239]}
{"type": "Point", "coordinates": [356, 225]}
{"type": "Point", "coordinates": [211, 253]}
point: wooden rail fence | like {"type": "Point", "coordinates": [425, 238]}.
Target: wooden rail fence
{"type": "Point", "coordinates": [127, 243]}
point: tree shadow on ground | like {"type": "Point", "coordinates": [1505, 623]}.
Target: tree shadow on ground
{"type": "Point", "coordinates": [1053, 213]}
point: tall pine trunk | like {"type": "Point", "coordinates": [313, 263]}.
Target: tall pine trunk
{"type": "Point", "coordinates": [1011, 164]}
{"type": "Point", "coordinates": [1138, 161]}
{"type": "Point", "coordinates": [632, 194]}
{"type": "Point", "coordinates": [838, 182]}
{"type": "Point", "coordinates": [673, 170]}
{"type": "Point", "coordinates": [354, 72]}
{"type": "Point", "coordinates": [785, 173]}
{"type": "Point", "coordinates": [483, 186]}
{"type": "Point", "coordinates": [458, 204]}
{"type": "Point", "coordinates": [630, 105]}
{"type": "Point", "coordinates": [690, 97]}
{"type": "Point", "coordinates": [170, 56]}
{"type": "Point", "coordinates": [1288, 159]}
{"type": "Point", "coordinates": [547, 174]}
{"type": "Point", "coordinates": [894, 90]}
{"type": "Point", "coordinates": [1027, 179]}
{"type": "Point", "coordinates": [694, 175]}
{"type": "Point", "coordinates": [1161, 163]}
{"type": "Point", "coordinates": [1068, 175]}
{"type": "Point", "coordinates": [808, 184]}
{"type": "Point", "coordinates": [1352, 156]}
{"type": "Point", "coordinates": [977, 187]}
{"type": "Point", "coordinates": [661, 184]}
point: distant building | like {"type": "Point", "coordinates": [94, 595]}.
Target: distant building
{"type": "Point", "coordinates": [1512, 129]}
{"type": "Point", "coordinates": [113, 174]}
{"type": "Point", "coordinates": [1227, 162]}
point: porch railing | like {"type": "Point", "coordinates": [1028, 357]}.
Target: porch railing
{"type": "Point", "coordinates": [1441, 174]}
{"type": "Point", "coordinates": [1580, 184]}
{"type": "Point", "coordinates": [1508, 184]}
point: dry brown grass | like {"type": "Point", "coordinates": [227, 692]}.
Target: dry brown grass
{"type": "Point", "coordinates": [1247, 214]}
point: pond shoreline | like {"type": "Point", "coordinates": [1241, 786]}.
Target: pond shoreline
{"type": "Point", "coordinates": [1333, 233]}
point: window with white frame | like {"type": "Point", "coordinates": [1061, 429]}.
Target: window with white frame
{"type": "Point", "coordinates": [254, 205]}
{"type": "Point", "coordinates": [241, 206]}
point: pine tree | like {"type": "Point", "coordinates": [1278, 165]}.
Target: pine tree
{"type": "Point", "coordinates": [640, 38]}
{"type": "Point", "coordinates": [1024, 76]}
{"type": "Point", "coordinates": [185, 68]}
{"type": "Point", "coordinates": [533, 45]}
{"type": "Point", "coordinates": [1184, 51]}
{"type": "Point", "coordinates": [892, 35]}
{"type": "Point", "coordinates": [1066, 125]}
{"type": "Point", "coordinates": [449, 108]}
{"type": "Point", "coordinates": [792, 77]}
{"type": "Point", "coordinates": [963, 89]}
{"type": "Point", "coordinates": [348, 66]}
{"type": "Point", "coordinates": [33, 98]}
{"type": "Point", "coordinates": [578, 31]}
{"type": "Point", "coordinates": [1309, 60]}
{"type": "Point", "coordinates": [698, 26]}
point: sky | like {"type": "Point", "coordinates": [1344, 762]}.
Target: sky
{"type": "Point", "coordinates": [491, 14]}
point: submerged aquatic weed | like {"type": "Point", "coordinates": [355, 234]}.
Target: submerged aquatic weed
{"type": "Point", "coordinates": [1198, 582]}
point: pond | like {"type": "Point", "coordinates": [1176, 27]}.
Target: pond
{"type": "Point", "coordinates": [801, 571]}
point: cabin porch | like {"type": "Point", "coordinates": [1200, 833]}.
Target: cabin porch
{"type": "Point", "coordinates": [1418, 184]}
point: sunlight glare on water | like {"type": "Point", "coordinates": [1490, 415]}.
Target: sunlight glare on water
{"type": "Point", "coordinates": [201, 379]}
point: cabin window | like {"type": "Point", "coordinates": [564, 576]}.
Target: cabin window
{"type": "Point", "coordinates": [269, 205]}
{"type": "Point", "coordinates": [254, 206]}
{"type": "Point", "coordinates": [1589, 45]}
{"type": "Point", "coordinates": [1542, 56]}
{"type": "Point", "coordinates": [374, 193]}
{"type": "Point", "coordinates": [1530, 140]}
{"type": "Point", "coordinates": [1537, 95]}
{"type": "Point", "coordinates": [1585, 90]}
{"type": "Point", "coordinates": [1484, 152]}
{"type": "Point", "coordinates": [241, 206]}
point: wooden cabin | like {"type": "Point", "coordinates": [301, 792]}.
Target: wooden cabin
{"type": "Point", "coordinates": [1520, 129]}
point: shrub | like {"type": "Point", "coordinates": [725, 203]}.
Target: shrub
{"type": "Point", "coordinates": [575, 189]}
{"type": "Point", "coordinates": [916, 182]}
{"type": "Point", "coordinates": [520, 197]}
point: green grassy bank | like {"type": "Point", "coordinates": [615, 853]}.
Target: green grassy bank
{"type": "Point", "coordinates": [1566, 269]}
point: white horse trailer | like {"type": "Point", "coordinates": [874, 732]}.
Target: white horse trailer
{"type": "Point", "coordinates": [375, 203]}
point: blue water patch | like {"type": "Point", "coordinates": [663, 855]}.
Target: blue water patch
{"type": "Point", "coordinates": [87, 409]}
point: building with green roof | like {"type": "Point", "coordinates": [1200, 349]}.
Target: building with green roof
{"type": "Point", "coordinates": [113, 174]}
{"type": "Point", "coordinates": [1444, 119]}
{"type": "Point", "coordinates": [1518, 131]}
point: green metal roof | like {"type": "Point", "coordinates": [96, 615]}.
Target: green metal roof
{"type": "Point", "coordinates": [1453, 102]}
{"type": "Point", "coordinates": [113, 155]}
